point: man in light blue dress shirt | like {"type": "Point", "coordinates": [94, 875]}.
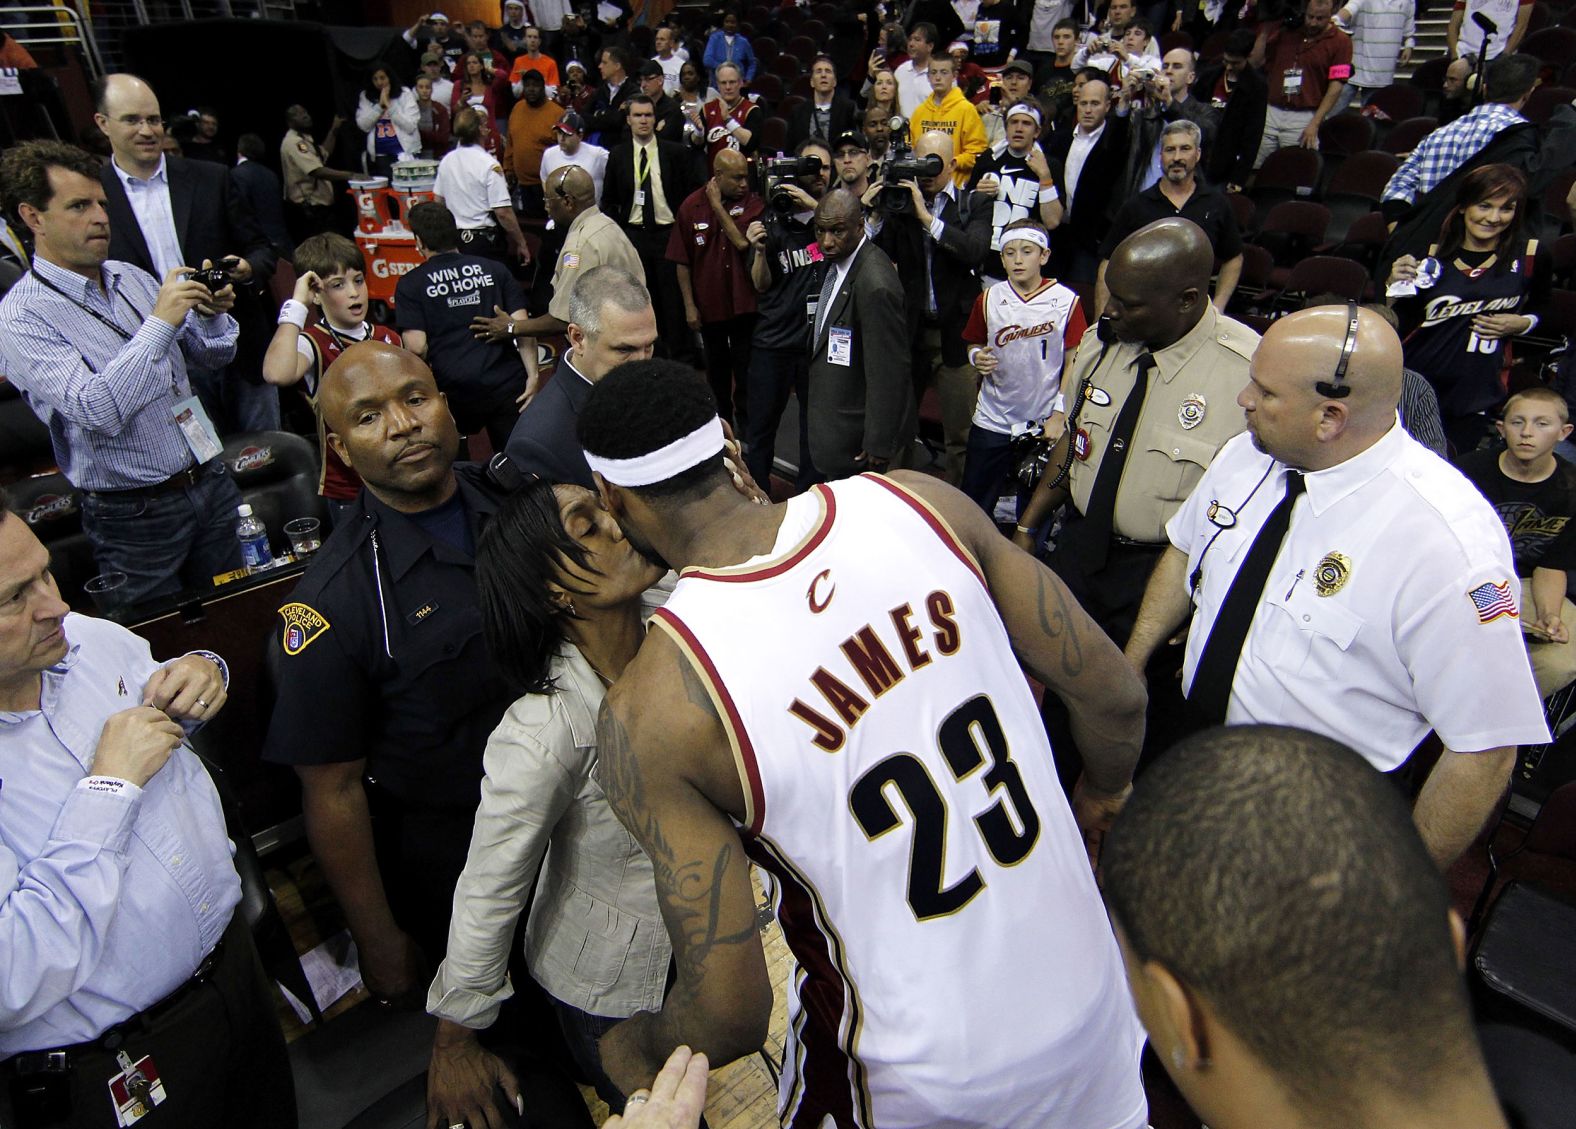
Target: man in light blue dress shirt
{"type": "Point", "coordinates": [117, 889]}
{"type": "Point", "coordinates": [99, 350]}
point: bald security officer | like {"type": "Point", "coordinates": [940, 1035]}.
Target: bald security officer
{"type": "Point", "coordinates": [1342, 578]}
{"type": "Point", "coordinates": [1146, 414]}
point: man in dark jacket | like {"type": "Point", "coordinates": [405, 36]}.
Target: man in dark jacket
{"type": "Point", "coordinates": [1240, 95]}
{"type": "Point", "coordinates": [166, 212]}
{"type": "Point", "coordinates": [1086, 159]}
{"type": "Point", "coordinates": [826, 114]}
{"type": "Point", "coordinates": [605, 120]}
{"type": "Point", "coordinates": [937, 242]}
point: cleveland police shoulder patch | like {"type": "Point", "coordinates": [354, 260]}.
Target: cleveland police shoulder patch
{"type": "Point", "coordinates": [302, 625]}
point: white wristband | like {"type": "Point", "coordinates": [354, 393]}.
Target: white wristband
{"type": "Point", "coordinates": [1533, 318]}
{"type": "Point", "coordinates": [973, 354]}
{"type": "Point", "coordinates": [732, 126]}
{"type": "Point", "coordinates": [295, 313]}
{"type": "Point", "coordinates": [1048, 194]}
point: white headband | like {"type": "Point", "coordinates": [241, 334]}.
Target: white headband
{"type": "Point", "coordinates": [1028, 235]}
{"type": "Point", "coordinates": [665, 462]}
{"type": "Point", "coordinates": [1023, 108]}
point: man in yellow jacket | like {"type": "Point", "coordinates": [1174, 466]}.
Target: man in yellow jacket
{"type": "Point", "coordinates": [948, 111]}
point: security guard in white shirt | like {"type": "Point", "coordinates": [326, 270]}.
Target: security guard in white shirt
{"type": "Point", "coordinates": [471, 185]}
{"type": "Point", "coordinates": [1343, 579]}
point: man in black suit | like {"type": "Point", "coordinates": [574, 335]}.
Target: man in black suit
{"type": "Point", "coordinates": [938, 240]}
{"type": "Point", "coordinates": [1086, 161]}
{"type": "Point", "coordinates": [826, 115]}
{"type": "Point", "coordinates": [645, 183]}
{"type": "Point", "coordinates": [861, 414]}
{"type": "Point", "coordinates": [606, 123]}
{"type": "Point", "coordinates": [610, 322]}
{"type": "Point", "coordinates": [263, 193]}
{"type": "Point", "coordinates": [1240, 95]}
{"type": "Point", "coordinates": [165, 212]}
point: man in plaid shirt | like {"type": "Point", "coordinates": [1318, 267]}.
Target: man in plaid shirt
{"type": "Point", "coordinates": [1493, 132]}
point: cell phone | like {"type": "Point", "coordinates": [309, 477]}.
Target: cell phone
{"type": "Point", "coordinates": [995, 96]}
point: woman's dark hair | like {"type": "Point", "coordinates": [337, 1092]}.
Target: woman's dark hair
{"type": "Point", "coordinates": [396, 87]}
{"type": "Point", "coordinates": [517, 557]}
{"type": "Point", "coordinates": [1476, 187]}
{"type": "Point", "coordinates": [700, 76]}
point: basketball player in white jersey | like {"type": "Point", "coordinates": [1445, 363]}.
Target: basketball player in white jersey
{"type": "Point", "coordinates": [834, 693]}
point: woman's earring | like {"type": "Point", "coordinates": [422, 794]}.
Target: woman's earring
{"type": "Point", "coordinates": [568, 606]}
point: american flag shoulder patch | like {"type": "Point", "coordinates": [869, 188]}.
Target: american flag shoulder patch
{"type": "Point", "coordinates": [1493, 601]}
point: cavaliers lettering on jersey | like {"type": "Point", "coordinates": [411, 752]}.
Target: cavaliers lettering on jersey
{"type": "Point", "coordinates": [1031, 338]}
{"type": "Point", "coordinates": [715, 118]}
{"type": "Point", "coordinates": [1468, 370]}
{"type": "Point", "coordinates": [955, 967]}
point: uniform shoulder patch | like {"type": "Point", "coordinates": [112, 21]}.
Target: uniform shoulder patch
{"type": "Point", "coordinates": [303, 624]}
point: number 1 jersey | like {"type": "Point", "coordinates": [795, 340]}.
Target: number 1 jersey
{"type": "Point", "coordinates": [954, 963]}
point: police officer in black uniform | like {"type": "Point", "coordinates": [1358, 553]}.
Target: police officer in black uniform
{"type": "Point", "coordinates": [386, 691]}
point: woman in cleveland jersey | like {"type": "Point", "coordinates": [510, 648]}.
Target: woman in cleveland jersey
{"type": "Point", "coordinates": [1455, 331]}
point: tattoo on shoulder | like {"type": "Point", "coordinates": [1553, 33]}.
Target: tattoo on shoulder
{"type": "Point", "coordinates": [695, 689]}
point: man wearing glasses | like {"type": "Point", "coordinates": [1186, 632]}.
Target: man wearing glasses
{"type": "Point", "coordinates": [1343, 579]}
{"type": "Point", "coordinates": [166, 212]}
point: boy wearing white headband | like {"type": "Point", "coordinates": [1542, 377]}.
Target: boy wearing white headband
{"type": "Point", "coordinates": [1020, 333]}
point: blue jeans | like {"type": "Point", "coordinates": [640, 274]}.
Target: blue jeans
{"type": "Point", "coordinates": [233, 404]}
{"type": "Point", "coordinates": [581, 1031]}
{"type": "Point", "coordinates": [165, 543]}
{"type": "Point", "coordinates": [986, 463]}
{"type": "Point", "coordinates": [773, 375]}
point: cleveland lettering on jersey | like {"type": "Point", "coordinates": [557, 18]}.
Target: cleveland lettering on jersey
{"type": "Point", "coordinates": [872, 665]}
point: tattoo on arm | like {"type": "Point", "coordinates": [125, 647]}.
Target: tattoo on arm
{"type": "Point", "coordinates": [695, 689]}
{"type": "Point", "coordinates": [1057, 622]}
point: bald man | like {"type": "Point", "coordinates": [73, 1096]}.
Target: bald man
{"type": "Point", "coordinates": [1339, 575]}
{"type": "Point", "coordinates": [710, 254]}
{"type": "Point", "coordinates": [385, 621]}
{"type": "Point", "coordinates": [938, 243]}
{"type": "Point", "coordinates": [166, 212]}
{"type": "Point", "coordinates": [1129, 464]}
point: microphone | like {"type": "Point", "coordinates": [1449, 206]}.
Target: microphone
{"type": "Point", "coordinates": [1489, 26]}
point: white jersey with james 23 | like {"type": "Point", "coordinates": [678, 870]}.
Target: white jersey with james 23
{"type": "Point", "coordinates": [954, 963]}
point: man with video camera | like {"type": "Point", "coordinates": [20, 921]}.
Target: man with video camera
{"type": "Point", "coordinates": [782, 260]}
{"type": "Point", "coordinates": [937, 235]}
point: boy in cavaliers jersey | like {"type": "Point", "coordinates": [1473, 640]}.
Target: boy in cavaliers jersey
{"type": "Point", "coordinates": [1019, 331]}
{"type": "Point", "coordinates": [834, 693]}
{"type": "Point", "coordinates": [333, 279]}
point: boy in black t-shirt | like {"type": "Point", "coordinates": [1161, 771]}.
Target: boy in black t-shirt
{"type": "Point", "coordinates": [1534, 493]}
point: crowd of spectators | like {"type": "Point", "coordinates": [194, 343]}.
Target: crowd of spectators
{"type": "Point", "coordinates": [1016, 244]}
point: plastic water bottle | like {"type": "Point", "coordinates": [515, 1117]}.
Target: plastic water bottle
{"type": "Point", "coordinates": [253, 536]}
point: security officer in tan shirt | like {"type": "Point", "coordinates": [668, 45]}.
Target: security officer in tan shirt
{"type": "Point", "coordinates": [309, 182]}
{"type": "Point", "coordinates": [1132, 460]}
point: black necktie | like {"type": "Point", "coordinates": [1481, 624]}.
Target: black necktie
{"type": "Point", "coordinates": [1094, 539]}
{"type": "Point", "coordinates": [1210, 693]}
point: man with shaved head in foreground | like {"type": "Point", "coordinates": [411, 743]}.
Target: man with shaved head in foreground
{"type": "Point", "coordinates": [1341, 578]}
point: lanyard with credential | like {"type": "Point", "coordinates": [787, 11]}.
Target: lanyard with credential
{"type": "Point", "coordinates": [114, 292]}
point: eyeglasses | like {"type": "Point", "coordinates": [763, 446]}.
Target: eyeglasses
{"type": "Point", "coordinates": [1336, 387]}
{"type": "Point", "coordinates": [136, 121]}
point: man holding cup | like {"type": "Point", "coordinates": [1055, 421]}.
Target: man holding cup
{"type": "Point", "coordinates": [99, 350]}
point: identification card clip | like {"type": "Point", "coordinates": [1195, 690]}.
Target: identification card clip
{"type": "Point", "coordinates": [197, 429]}
{"type": "Point", "coordinates": [136, 1089]}
{"type": "Point", "coordinates": [840, 346]}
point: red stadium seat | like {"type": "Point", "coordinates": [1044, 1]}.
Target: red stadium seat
{"type": "Point", "coordinates": [1543, 101]}
{"type": "Point", "coordinates": [1323, 274]}
{"type": "Point", "coordinates": [1343, 134]}
{"type": "Point", "coordinates": [1290, 233]}
{"type": "Point", "coordinates": [1398, 102]}
{"type": "Point", "coordinates": [1355, 189]}
{"type": "Point", "coordinates": [1556, 46]}
{"type": "Point", "coordinates": [785, 67]}
{"type": "Point", "coordinates": [774, 136]}
{"type": "Point", "coordinates": [1408, 134]}
{"type": "Point", "coordinates": [769, 87]}
{"type": "Point", "coordinates": [766, 49]}
{"type": "Point", "coordinates": [1288, 174]}
{"type": "Point", "coordinates": [1430, 76]}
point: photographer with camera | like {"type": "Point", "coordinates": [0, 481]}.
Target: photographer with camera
{"type": "Point", "coordinates": [100, 351]}
{"type": "Point", "coordinates": [1017, 175]}
{"type": "Point", "coordinates": [784, 265]}
{"type": "Point", "coordinates": [707, 247]}
{"type": "Point", "coordinates": [937, 235]}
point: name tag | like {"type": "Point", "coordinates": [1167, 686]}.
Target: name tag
{"type": "Point", "coordinates": [1292, 82]}
{"type": "Point", "coordinates": [197, 429]}
{"type": "Point", "coordinates": [840, 346]}
{"type": "Point", "coordinates": [640, 197]}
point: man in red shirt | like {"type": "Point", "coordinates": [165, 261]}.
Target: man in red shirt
{"type": "Point", "coordinates": [708, 246]}
{"type": "Point", "coordinates": [1306, 68]}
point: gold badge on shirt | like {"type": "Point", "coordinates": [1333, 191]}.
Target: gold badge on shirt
{"type": "Point", "coordinates": [1332, 574]}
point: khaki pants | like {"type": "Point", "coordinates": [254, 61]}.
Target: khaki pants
{"type": "Point", "coordinates": [1553, 664]}
{"type": "Point", "coordinates": [1282, 130]}
{"type": "Point", "coordinates": [957, 389]}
